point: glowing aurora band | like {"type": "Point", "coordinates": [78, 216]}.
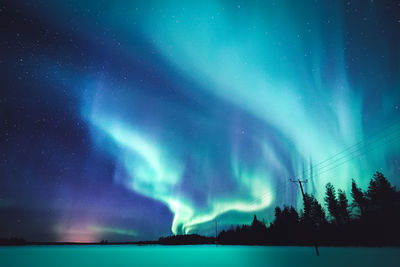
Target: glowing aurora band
{"type": "Point", "coordinates": [268, 63]}
{"type": "Point", "coordinates": [274, 64]}
{"type": "Point", "coordinates": [151, 172]}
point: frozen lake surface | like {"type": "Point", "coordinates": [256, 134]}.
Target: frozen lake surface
{"type": "Point", "coordinates": [202, 255]}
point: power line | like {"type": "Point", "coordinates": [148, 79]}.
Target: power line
{"type": "Point", "coordinates": [373, 148]}
{"type": "Point", "coordinates": [355, 151]}
{"type": "Point", "coordinates": [320, 171]}
{"type": "Point", "coordinates": [366, 141]}
{"type": "Point", "coordinates": [359, 149]}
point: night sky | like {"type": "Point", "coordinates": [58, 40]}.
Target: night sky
{"type": "Point", "coordinates": [130, 120]}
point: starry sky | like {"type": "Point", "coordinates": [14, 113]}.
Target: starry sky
{"type": "Point", "coordinates": [131, 120]}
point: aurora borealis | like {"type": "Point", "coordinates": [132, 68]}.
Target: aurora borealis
{"type": "Point", "coordinates": [129, 120]}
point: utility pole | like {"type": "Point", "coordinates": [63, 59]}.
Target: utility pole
{"type": "Point", "coordinates": [216, 232]}
{"type": "Point", "coordinates": [300, 182]}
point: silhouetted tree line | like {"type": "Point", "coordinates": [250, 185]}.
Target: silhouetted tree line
{"type": "Point", "coordinates": [371, 219]}
{"type": "Point", "coordinates": [12, 241]}
{"type": "Point", "coordinates": [186, 240]}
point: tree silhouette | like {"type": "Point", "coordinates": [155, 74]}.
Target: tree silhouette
{"type": "Point", "coordinates": [382, 199]}
{"type": "Point", "coordinates": [380, 191]}
{"type": "Point", "coordinates": [288, 217]}
{"type": "Point", "coordinates": [313, 214]}
{"type": "Point", "coordinates": [359, 200]}
{"type": "Point", "coordinates": [332, 203]}
{"type": "Point", "coordinates": [257, 225]}
{"type": "Point", "coordinates": [378, 210]}
{"type": "Point", "coordinates": [343, 207]}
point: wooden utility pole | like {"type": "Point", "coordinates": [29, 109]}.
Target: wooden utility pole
{"type": "Point", "coordinates": [216, 232]}
{"type": "Point", "coordinates": [300, 182]}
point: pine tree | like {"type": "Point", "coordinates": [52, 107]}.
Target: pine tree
{"type": "Point", "coordinates": [286, 218]}
{"type": "Point", "coordinates": [380, 189]}
{"type": "Point", "coordinates": [381, 197]}
{"type": "Point", "coordinates": [314, 214]}
{"type": "Point", "coordinates": [256, 224]}
{"type": "Point", "coordinates": [332, 203]}
{"type": "Point", "coordinates": [359, 200]}
{"type": "Point", "coordinates": [343, 207]}
{"type": "Point", "coordinates": [278, 212]}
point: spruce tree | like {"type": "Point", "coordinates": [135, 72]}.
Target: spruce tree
{"type": "Point", "coordinates": [332, 203]}
{"type": "Point", "coordinates": [359, 200]}
{"type": "Point", "coordinates": [343, 207]}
